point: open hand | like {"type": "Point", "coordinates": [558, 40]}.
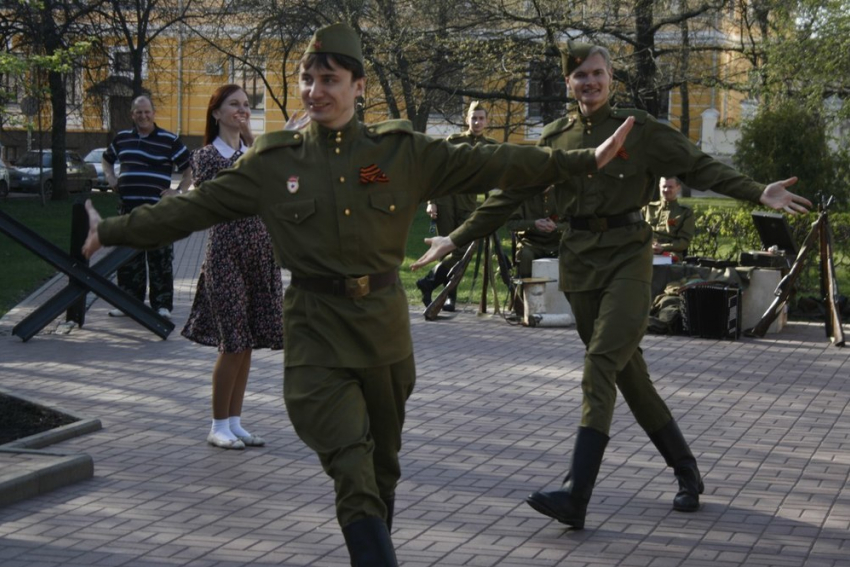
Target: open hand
{"type": "Point", "coordinates": [440, 246]}
{"type": "Point", "coordinates": [92, 243]}
{"type": "Point", "coordinates": [608, 149]}
{"type": "Point", "coordinates": [777, 196]}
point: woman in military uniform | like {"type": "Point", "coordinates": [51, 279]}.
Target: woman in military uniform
{"type": "Point", "coordinates": [606, 268]}
{"type": "Point", "coordinates": [338, 199]}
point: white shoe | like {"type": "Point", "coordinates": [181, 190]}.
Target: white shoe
{"type": "Point", "coordinates": [164, 313]}
{"type": "Point", "coordinates": [219, 440]}
{"type": "Point", "coordinates": [251, 440]}
{"type": "Point", "coordinates": [116, 313]}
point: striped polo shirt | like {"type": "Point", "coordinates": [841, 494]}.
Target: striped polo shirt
{"type": "Point", "coordinates": [147, 163]}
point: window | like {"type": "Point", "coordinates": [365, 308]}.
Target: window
{"type": "Point", "coordinates": [11, 89]}
{"type": "Point", "coordinates": [249, 75]}
{"type": "Point", "coordinates": [74, 88]}
{"type": "Point", "coordinates": [122, 63]}
{"type": "Point", "coordinates": [545, 80]}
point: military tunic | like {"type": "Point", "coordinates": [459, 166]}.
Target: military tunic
{"type": "Point", "coordinates": [673, 224]}
{"type": "Point", "coordinates": [533, 243]}
{"type": "Point", "coordinates": [340, 204]}
{"type": "Point", "coordinates": [607, 275]}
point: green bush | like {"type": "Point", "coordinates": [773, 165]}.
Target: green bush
{"type": "Point", "coordinates": [787, 141]}
{"type": "Point", "coordinates": [724, 233]}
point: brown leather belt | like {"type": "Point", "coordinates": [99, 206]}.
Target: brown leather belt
{"type": "Point", "coordinates": [601, 224]}
{"type": "Point", "coordinates": [353, 288]}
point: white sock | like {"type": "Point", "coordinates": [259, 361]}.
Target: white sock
{"type": "Point", "coordinates": [222, 427]}
{"type": "Point", "coordinates": [236, 426]}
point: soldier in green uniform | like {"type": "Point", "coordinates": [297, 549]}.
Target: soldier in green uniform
{"type": "Point", "coordinates": [606, 267]}
{"type": "Point", "coordinates": [672, 223]}
{"type": "Point", "coordinates": [538, 230]}
{"type": "Point", "coordinates": [338, 199]}
{"type": "Point", "coordinates": [450, 211]}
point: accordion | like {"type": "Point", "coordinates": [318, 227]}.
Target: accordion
{"type": "Point", "coordinates": [712, 311]}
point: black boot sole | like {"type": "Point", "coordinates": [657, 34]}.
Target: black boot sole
{"type": "Point", "coordinates": [541, 506]}
{"type": "Point", "coordinates": [690, 507]}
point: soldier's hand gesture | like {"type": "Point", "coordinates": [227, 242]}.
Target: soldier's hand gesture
{"type": "Point", "coordinates": [440, 246]}
{"type": "Point", "coordinates": [777, 196]}
{"type": "Point", "coordinates": [92, 243]}
{"type": "Point", "coordinates": [608, 149]}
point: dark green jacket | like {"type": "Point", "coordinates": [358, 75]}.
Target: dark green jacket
{"type": "Point", "coordinates": [590, 260]}
{"type": "Point", "coordinates": [673, 224]}
{"type": "Point", "coordinates": [340, 204]}
{"type": "Point", "coordinates": [465, 203]}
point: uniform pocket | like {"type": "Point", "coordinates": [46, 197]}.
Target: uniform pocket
{"type": "Point", "coordinates": [389, 203]}
{"type": "Point", "coordinates": [294, 213]}
{"type": "Point", "coordinates": [619, 169]}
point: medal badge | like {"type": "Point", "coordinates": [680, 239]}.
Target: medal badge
{"type": "Point", "coordinates": [292, 184]}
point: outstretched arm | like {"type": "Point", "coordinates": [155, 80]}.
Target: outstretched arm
{"type": "Point", "coordinates": [440, 246]}
{"type": "Point", "coordinates": [604, 153]}
{"type": "Point", "coordinates": [777, 196]}
{"type": "Point", "coordinates": [92, 243]}
{"type": "Point", "coordinates": [607, 150]}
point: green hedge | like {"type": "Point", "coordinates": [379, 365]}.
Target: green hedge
{"type": "Point", "coordinates": [724, 233]}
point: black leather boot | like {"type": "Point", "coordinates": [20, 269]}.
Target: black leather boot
{"type": "Point", "coordinates": [426, 286]}
{"type": "Point", "coordinates": [369, 544]}
{"type": "Point", "coordinates": [451, 301]}
{"type": "Point", "coordinates": [568, 504]}
{"type": "Point", "coordinates": [672, 445]}
{"type": "Point", "coordinates": [390, 504]}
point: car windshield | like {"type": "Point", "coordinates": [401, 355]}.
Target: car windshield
{"type": "Point", "coordinates": [94, 156]}
{"type": "Point", "coordinates": [30, 159]}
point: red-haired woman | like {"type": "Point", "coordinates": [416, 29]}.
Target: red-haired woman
{"type": "Point", "coordinates": [237, 304]}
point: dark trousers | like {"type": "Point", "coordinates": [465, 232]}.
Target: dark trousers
{"type": "Point", "coordinates": [352, 418]}
{"type": "Point", "coordinates": [527, 253]}
{"type": "Point", "coordinates": [155, 266]}
{"type": "Point", "coordinates": [611, 322]}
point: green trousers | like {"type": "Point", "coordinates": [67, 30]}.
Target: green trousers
{"type": "Point", "coordinates": [528, 252]}
{"type": "Point", "coordinates": [611, 322]}
{"type": "Point", "coordinates": [352, 418]}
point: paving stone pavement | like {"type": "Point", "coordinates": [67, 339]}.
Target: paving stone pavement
{"type": "Point", "coordinates": [493, 417]}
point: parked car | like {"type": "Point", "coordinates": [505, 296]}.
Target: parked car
{"type": "Point", "coordinates": [24, 175]}
{"type": "Point", "coordinates": [4, 180]}
{"type": "Point", "coordinates": [95, 158]}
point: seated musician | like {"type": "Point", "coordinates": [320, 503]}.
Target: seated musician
{"type": "Point", "coordinates": [673, 224]}
{"type": "Point", "coordinates": [537, 230]}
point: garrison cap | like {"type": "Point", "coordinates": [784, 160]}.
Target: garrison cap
{"type": "Point", "coordinates": [573, 55]}
{"type": "Point", "coordinates": [336, 38]}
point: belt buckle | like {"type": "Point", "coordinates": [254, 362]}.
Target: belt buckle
{"type": "Point", "coordinates": [595, 224]}
{"type": "Point", "coordinates": [356, 288]}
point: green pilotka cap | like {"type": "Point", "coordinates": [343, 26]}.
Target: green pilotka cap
{"type": "Point", "coordinates": [336, 38]}
{"type": "Point", "coordinates": [573, 55]}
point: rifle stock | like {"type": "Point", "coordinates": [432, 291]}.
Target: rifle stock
{"type": "Point", "coordinates": [455, 275]}
{"type": "Point", "coordinates": [786, 284]}
{"type": "Point", "coordinates": [829, 287]}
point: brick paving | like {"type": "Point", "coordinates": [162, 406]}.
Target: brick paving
{"type": "Point", "coordinates": [493, 417]}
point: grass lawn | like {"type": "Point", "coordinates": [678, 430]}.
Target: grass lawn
{"type": "Point", "coordinates": [23, 272]}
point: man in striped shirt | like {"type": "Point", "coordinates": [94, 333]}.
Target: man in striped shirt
{"type": "Point", "coordinates": [148, 156]}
